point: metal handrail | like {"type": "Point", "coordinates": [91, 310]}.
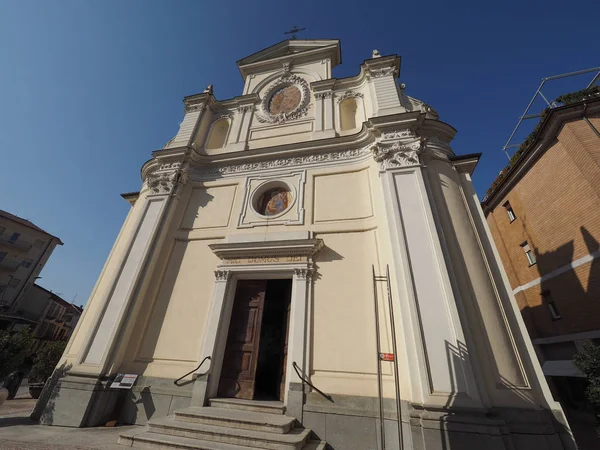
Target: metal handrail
{"type": "Point", "coordinates": [304, 380]}
{"type": "Point", "coordinates": [192, 371]}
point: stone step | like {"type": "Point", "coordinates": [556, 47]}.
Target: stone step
{"type": "Point", "coordinates": [269, 407]}
{"type": "Point", "coordinates": [248, 420]}
{"type": "Point", "coordinates": [293, 440]}
{"type": "Point", "coordinates": [168, 442]}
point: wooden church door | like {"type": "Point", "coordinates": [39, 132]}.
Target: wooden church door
{"type": "Point", "coordinates": [238, 375]}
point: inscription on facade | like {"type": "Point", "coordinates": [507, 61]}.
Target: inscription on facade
{"type": "Point", "coordinates": [265, 260]}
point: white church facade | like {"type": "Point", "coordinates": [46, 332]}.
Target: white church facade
{"type": "Point", "coordinates": [313, 256]}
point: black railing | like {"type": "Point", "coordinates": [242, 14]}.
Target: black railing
{"type": "Point", "coordinates": [304, 380]}
{"type": "Point", "coordinates": [192, 371]}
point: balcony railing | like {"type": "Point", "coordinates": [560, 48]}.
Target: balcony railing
{"type": "Point", "coordinates": [9, 266]}
{"type": "Point", "coordinates": [18, 244]}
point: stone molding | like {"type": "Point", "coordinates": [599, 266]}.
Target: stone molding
{"type": "Point", "coordinates": [287, 79]}
{"type": "Point", "coordinates": [281, 248]}
{"type": "Point", "coordinates": [295, 161]}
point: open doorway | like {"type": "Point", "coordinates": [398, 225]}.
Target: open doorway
{"type": "Point", "coordinates": [256, 351]}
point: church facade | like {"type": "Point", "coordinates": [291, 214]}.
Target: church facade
{"type": "Point", "coordinates": [312, 248]}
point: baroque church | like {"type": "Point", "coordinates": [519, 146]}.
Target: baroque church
{"type": "Point", "coordinates": [306, 266]}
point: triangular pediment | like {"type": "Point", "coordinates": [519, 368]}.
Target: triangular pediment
{"type": "Point", "coordinates": [329, 48]}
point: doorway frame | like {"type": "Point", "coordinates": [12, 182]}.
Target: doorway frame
{"type": "Point", "coordinates": [290, 258]}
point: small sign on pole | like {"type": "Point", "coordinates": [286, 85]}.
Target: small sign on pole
{"type": "Point", "coordinates": [386, 356]}
{"type": "Point", "coordinates": [124, 381]}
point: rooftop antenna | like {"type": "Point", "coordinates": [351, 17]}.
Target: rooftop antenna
{"type": "Point", "coordinates": [295, 30]}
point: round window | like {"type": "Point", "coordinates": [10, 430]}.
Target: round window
{"type": "Point", "coordinates": [273, 200]}
{"type": "Point", "coordinates": [285, 100]}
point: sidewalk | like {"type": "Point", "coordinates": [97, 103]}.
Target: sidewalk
{"type": "Point", "coordinates": [18, 432]}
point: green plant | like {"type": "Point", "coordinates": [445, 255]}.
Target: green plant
{"type": "Point", "coordinates": [584, 94]}
{"type": "Point", "coordinates": [588, 362]}
{"type": "Point", "coordinates": [13, 350]}
{"type": "Point", "coordinates": [45, 361]}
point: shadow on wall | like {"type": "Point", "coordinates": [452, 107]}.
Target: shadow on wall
{"type": "Point", "coordinates": [565, 301]}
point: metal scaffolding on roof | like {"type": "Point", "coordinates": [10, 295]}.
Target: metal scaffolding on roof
{"type": "Point", "coordinates": [538, 92]}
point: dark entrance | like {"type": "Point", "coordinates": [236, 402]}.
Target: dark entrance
{"type": "Point", "coordinates": [256, 351]}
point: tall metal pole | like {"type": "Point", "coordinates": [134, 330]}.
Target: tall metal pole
{"type": "Point", "coordinates": [395, 349]}
{"type": "Point", "coordinates": [378, 344]}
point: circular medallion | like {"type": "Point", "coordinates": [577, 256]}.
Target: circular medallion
{"type": "Point", "coordinates": [274, 201]}
{"type": "Point", "coordinates": [285, 100]}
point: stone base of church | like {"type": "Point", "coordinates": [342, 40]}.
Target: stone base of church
{"type": "Point", "coordinates": [87, 401]}
{"type": "Point", "coordinates": [76, 400]}
{"type": "Point", "coordinates": [498, 429]}
{"type": "Point", "coordinates": [153, 397]}
{"type": "Point", "coordinates": [352, 422]}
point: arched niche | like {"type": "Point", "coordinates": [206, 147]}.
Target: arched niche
{"type": "Point", "coordinates": [349, 114]}
{"type": "Point", "coordinates": [217, 135]}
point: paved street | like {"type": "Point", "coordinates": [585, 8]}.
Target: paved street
{"type": "Point", "coordinates": [18, 432]}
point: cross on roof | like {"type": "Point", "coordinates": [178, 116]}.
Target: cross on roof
{"type": "Point", "coordinates": [294, 31]}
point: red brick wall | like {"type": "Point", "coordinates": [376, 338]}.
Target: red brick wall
{"type": "Point", "coordinates": [557, 204]}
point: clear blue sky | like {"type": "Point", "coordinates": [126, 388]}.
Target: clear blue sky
{"type": "Point", "coordinates": [89, 88]}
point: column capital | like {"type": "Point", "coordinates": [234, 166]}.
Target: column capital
{"type": "Point", "coordinates": [398, 149]}
{"type": "Point", "coordinates": [303, 273]}
{"type": "Point", "coordinates": [222, 276]}
{"type": "Point", "coordinates": [167, 179]}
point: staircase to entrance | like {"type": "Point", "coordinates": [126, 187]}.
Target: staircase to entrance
{"type": "Point", "coordinates": [227, 424]}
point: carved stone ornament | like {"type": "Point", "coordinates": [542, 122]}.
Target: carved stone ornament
{"type": "Point", "coordinates": [287, 79]}
{"type": "Point", "coordinates": [168, 179]}
{"type": "Point", "coordinates": [398, 154]}
{"type": "Point", "coordinates": [349, 94]}
{"type": "Point", "coordinates": [281, 162]}
{"type": "Point", "coordinates": [303, 273]}
{"type": "Point", "coordinates": [222, 275]}
{"type": "Point", "coordinates": [323, 95]}
{"type": "Point", "coordinates": [377, 73]}
{"type": "Point", "coordinates": [245, 108]}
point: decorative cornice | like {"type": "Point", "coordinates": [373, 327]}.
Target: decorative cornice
{"type": "Point", "coordinates": [280, 162]}
{"type": "Point", "coordinates": [349, 94]}
{"type": "Point", "coordinates": [295, 247]}
{"type": "Point", "coordinates": [287, 79]}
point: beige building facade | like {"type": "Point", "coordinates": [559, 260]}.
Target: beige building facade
{"type": "Point", "coordinates": [24, 250]}
{"type": "Point", "coordinates": [252, 260]}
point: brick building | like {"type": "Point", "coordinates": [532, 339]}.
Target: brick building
{"type": "Point", "coordinates": [544, 215]}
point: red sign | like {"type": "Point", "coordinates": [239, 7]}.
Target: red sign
{"type": "Point", "coordinates": [386, 356]}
